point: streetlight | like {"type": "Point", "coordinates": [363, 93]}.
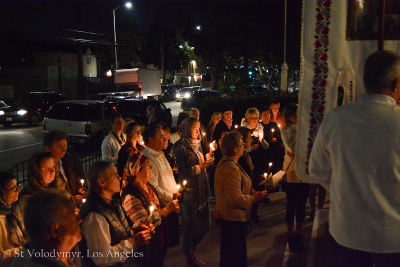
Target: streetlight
{"type": "Point", "coordinates": [127, 5]}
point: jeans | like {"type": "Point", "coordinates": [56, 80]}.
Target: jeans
{"type": "Point", "coordinates": [197, 223]}
{"type": "Point", "coordinates": [347, 257]}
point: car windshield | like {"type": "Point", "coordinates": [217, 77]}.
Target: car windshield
{"type": "Point", "coordinates": [2, 104]}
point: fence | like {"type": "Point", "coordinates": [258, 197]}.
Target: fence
{"type": "Point", "coordinates": [86, 158]}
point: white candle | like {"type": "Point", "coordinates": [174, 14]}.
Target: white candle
{"type": "Point", "coordinates": [83, 200]}
{"type": "Point", "coordinates": [82, 182]}
{"type": "Point", "coordinates": [265, 178]}
{"type": "Point", "coordinates": [184, 184]}
{"type": "Point", "coordinates": [151, 209]}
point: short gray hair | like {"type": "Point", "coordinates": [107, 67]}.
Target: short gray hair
{"type": "Point", "coordinates": [381, 70]}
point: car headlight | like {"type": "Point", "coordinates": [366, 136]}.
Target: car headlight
{"type": "Point", "coordinates": [178, 95]}
{"type": "Point", "coordinates": [187, 95]}
{"type": "Point", "coordinates": [1, 112]}
{"type": "Point", "coordinates": [21, 112]}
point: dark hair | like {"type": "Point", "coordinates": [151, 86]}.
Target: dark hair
{"type": "Point", "coordinates": [244, 131]}
{"type": "Point", "coordinates": [96, 170]}
{"type": "Point", "coordinates": [381, 71]}
{"type": "Point", "coordinates": [274, 102]}
{"type": "Point", "coordinates": [288, 111]}
{"type": "Point", "coordinates": [54, 136]}
{"type": "Point", "coordinates": [114, 116]}
{"type": "Point", "coordinates": [5, 178]}
{"type": "Point", "coordinates": [130, 126]}
{"type": "Point", "coordinates": [164, 126]}
{"type": "Point", "coordinates": [263, 109]}
{"type": "Point", "coordinates": [150, 131]}
{"type": "Point", "coordinates": [41, 156]}
{"type": "Point", "coordinates": [44, 209]}
{"type": "Point", "coordinates": [227, 108]}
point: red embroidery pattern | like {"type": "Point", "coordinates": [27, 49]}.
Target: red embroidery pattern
{"type": "Point", "coordinates": [320, 71]}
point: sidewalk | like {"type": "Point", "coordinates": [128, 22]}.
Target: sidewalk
{"type": "Point", "coordinates": [266, 244]}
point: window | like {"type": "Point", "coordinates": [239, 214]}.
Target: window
{"type": "Point", "coordinates": [57, 112]}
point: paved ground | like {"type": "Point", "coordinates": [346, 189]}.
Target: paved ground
{"type": "Point", "coordinates": [266, 244]}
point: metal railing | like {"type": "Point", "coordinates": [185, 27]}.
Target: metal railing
{"type": "Point", "coordinates": [86, 158]}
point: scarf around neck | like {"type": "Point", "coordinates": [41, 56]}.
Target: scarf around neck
{"type": "Point", "coordinates": [195, 145]}
{"type": "Point", "coordinates": [14, 220]}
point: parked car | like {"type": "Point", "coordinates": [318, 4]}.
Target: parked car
{"type": "Point", "coordinates": [83, 120]}
{"type": "Point", "coordinates": [168, 92]}
{"type": "Point", "coordinates": [197, 98]}
{"type": "Point", "coordinates": [135, 109]}
{"type": "Point", "coordinates": [31, 109]}
{"type": "Point", "coordinates": [185, 92]}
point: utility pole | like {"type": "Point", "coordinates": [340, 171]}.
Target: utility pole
{"type": "Point", "coordinates": [80, 93]}
{"type": "Point", "coordinates": [284, 73]}
{"type": "Point", "coordinates": [162, 43]}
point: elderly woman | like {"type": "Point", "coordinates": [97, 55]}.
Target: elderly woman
{"type": "Point", "coordinates": [258, 154]}
{"type": "Point", "coordinates": [235, 197]}
{"type": "Point", "coordinates": [196, 194]}
{"type": "Point", "coordinates": [106, 229]}
{"type": "Point", "coordinates": [42, 174]}
{"type": "Point", "coordinates": [137, 198]}
{"type": "Point", "coordinates": [296, 190]}
{"type": "Point", "coordinates": [131, 147]}
{"type": "Point", "coordinates": [12, 230]}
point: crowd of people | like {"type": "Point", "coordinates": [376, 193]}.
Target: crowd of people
{"type": "Point", "coordinates": [128, 209]}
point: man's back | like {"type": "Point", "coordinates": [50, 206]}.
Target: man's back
{"type": "Point", "coordinates": [357, 151]}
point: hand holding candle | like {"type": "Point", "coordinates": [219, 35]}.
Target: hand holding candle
{"type": "Point", "coordinates": [273, 138]}
{"type": "Point", "coordinates": [178, 188]}
{"type": "Point", "coordinates": [260, 136]}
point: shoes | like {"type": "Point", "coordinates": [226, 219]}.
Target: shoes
{"type": "Point", "coordinates": [296, 243]}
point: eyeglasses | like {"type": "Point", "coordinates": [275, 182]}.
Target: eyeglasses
{"type": "Point", "coordinates": [14, 188]}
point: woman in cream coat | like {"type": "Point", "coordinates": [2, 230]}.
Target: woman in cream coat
{"type": "Point", "coordinates": [235, 198]}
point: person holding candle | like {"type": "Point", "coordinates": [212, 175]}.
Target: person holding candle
{"type": "Point", "coordinates": [296, 190]}
{"type": "Point", "coordinates": [106, 229]}
{"type": "Point", "coordinates": [142, 205]}
{"type": "Point", "coordinates": [235, 197]}
{"type": "Point", "coordinates": [224, 125]}
{"type": "Point", "coordinates": [131, 147]}
{"type": "Point", "coordinates": [276, 116]}
{"type": "Point", "coordinates": [69, 168]}
{"type": "Point", "coordinates": [195, 197]}
{"type": "Point", "coordinates": [272, 135]}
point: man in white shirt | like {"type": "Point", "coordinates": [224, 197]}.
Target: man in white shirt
{"type": "Point", "coordinates": [356, 156]}
{"type": "Point", "coordinates": [113, 142]}
{"type": "Point", "coordinates": [162, 176]}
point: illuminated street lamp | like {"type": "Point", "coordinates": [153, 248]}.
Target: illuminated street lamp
{"type": "Point", "coordinates": [127, 5]}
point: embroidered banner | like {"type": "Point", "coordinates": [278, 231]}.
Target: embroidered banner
{"type": "Point", "coordinates": [328, 60]}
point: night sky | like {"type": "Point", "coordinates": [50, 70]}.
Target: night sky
{"type": "Point", "coordinates": [45, 19]}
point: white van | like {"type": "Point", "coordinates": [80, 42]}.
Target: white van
{"type": "Point", "coordinates": [84, 121]}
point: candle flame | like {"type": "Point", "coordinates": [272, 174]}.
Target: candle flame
{"type": "Point", "coordinates": [82, 181]}
{"type": "Point", "coordinates": [265, 175]}
{"type": "Point", "coordinates": [184, 182]}
{"type": "Point", "coordinates": [83, 200]}
{"type": "Point", "coordinates": [151, 208]}
{"type": "Point", "coordinates": [270, 164]}
{"type": "Point", "coordinates": [272, 130]}
{"type": "Point", "coordinates": [178, 186]}
{"type": "Point", "coordinates": [279, 126]}
{"type": "Point", "coordinates": [236, 126]}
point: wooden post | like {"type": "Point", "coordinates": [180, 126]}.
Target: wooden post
{"type": "Point", "coordinates": [381, 38]}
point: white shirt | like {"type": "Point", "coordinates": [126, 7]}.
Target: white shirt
{"type": "Point", "coordinates": [162, 176]}
{"type": "Point", "coordinates": [97, 234]}
{"type": "Point", "coordinates": [110, 148]}
{"type": "Point", "coordinates": [356, 155]}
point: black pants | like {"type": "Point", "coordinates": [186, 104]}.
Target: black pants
{"type": "Point", "coordinates": [347, 257]}
{"type": "Point", "coordinates": [233, 248]}
{"type": "Point", "coordinates": [296, 196]}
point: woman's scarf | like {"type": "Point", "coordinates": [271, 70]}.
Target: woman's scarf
{"type": "Point", "coordinates": [195, 145]}
{"type": "Point", "coordinates": [15, 221]}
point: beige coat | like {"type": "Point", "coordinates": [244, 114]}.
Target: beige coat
{"type": "Point", "coordinates": [234, 192]}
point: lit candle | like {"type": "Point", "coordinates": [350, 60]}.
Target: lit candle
{"type": "Point", "coordinates": [151, 209]}
{"type": "Point", "coordinates": [265, 178]}
{"type": "Point", "coordinates": [82, 182]}
{"type": "Point", "coordinates": [178, 188]}
{"type": "Point", "coordinates": [236, 126]}
{"type": "Point", "coordinates": [142, 143]}
{"type": "Point", "coordinates": [83, 200]}
{"type": "Point", "coordinates": [204, 134]}
{"type": "Point", "coordinates": [184, 184]}
{"type": "Point", "coordinates": [269, 166]}
{"type": "Point", "coordinates": [279, 126]}
{"type": "Point", "coordinates": [272, 131]}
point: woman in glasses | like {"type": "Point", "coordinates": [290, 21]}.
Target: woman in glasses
{"type": "Point", "coordinates": [12, 230]}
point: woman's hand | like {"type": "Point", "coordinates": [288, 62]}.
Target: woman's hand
{"type": "Point", "coordinates": [173, 206]}
{"type": "Point", "coordinates": [260, 195]}
{"type": "Point", "coordinates": [206, 164]}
